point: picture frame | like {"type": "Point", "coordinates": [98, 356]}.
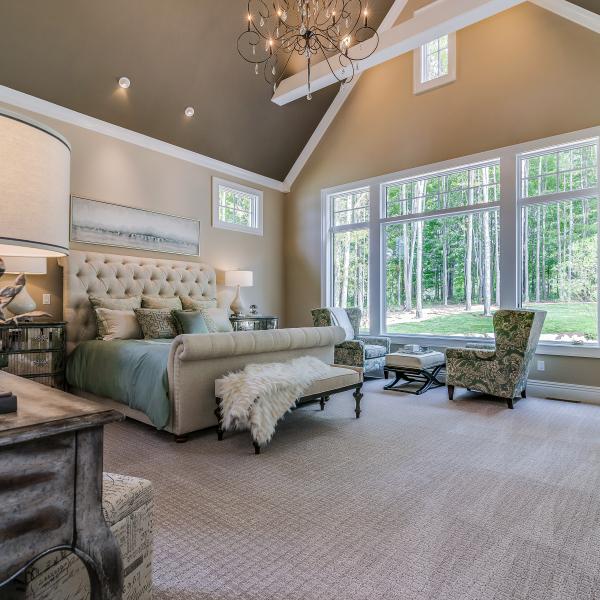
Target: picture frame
{"type": "Point", "coordinates": [106, 224]}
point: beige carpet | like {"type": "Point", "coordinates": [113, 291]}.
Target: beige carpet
{"type": "Point", "coordinates": [420, 498]}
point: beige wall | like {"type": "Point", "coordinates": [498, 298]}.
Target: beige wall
{"type": "Point", "coordinates": [522, 75]}
{"type": "Point", "coordinates": [107, 169]}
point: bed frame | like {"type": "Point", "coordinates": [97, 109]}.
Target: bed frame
{"type": "Point", "coordinates": [195, 361]}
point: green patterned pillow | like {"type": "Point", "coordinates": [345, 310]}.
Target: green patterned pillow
{"type": "Point", "coordinates": [156, 323]}
{"type": "Point", "coordinates": [172, 302]}
{"type": "Point", "coordinates": [189, 321]}
{"type": "Point", "coordinates": [190, 303]}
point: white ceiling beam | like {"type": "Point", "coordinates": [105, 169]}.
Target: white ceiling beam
{"type": "Point", "coordinates": [450, 15]}
{"type": "Point", "coordinates": [387, 23]}
{"type": "Point", "coordinates": [572, 12]}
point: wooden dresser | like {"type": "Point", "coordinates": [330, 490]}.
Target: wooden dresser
{"type": "Point", "coordinates": [51, 484]}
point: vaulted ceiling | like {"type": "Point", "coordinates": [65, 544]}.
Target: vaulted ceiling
{"type": "Point", "coordinates": [177, 53]}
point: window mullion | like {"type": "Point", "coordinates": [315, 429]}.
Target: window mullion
{"type": "Point", "coordinates": [376, 258]}
{"type": "Point", "coordinates": [510, 221]}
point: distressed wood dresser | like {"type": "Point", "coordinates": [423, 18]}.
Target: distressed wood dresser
{"type": "Point", "coordinates": [51, 484]}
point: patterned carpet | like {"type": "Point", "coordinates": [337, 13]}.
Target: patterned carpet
{"type": "Point", "coordinates": [419, 499]}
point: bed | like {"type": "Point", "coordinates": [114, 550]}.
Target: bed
{"type": "Point", "coordinates": [169, 385]}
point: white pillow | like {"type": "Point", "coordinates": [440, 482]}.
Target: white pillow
{"type": "Point", "coordinates": [340, 318]}
{"type": "Point", "coordinates": [216, 319]}
{"type": "Point", "coordinates": [118, 325]}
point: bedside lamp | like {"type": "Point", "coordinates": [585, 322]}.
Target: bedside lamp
{"type": "Point", "coordinates": [34, 201]}
{"type": "Point", "coordinates": [23, 303]}
{"type": "Point", "coordinates": [238, 279]}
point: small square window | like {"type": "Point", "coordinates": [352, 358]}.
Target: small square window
{"type": "Point", "coordinates": [435, 63]}
{"type": "Point", "coordinates": [237, 207]}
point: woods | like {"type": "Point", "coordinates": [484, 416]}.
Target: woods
{"type": "Point", "coordinates": [448, 264]}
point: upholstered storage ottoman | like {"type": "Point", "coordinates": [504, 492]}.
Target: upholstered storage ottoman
{"type": "Point", "coordinates": [127, 504]}
{"type": "Point", "coordinates": [414, 368]}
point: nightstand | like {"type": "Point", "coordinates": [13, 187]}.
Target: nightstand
{"type": "Point", "coordinates": [253, 322]}
{"type": "Point", "coordinates": [35, 350]}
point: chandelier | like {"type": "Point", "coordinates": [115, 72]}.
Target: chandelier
{"type": "Point", "coordinates": [332, 28]}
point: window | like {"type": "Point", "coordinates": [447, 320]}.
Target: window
{"type": "Point", "coordinates": [430, 253]}
{"type": "Point", "coordinates": [236, 207]}
{"type": "Point", "coordinates": [435, 63]}
{"type": "Point", "coordinates": [442, 272]}
{"type": "Point", "coordinates": [350, 251]}
{"type": "Point", "coordinates": [559, 240]}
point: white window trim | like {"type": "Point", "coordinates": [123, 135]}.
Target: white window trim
{"type": "Point", "coordinates": [216, 222]}
{"type": "Point", "coordinates": [419, 86]}
{"type": "Point", "coordinates": [509, 157]}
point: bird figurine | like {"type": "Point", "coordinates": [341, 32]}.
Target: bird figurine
{"type": "Point", "coordinates": [8, 293]}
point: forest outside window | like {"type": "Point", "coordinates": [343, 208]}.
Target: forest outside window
{"type": "Point", "coordinates": [559, 240]}
{"type": "Point", "coordinates": [430, 253]}
{"type": "Point", "coordinates": [236, 207]}
{"type": "Point", "coordinates": [442, 273]}
{"type": "Point", "coordinates": [350, 251]}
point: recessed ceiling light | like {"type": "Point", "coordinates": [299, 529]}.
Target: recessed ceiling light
{"type": "Point", "coordinates": [189, 111]}
{"type": "Point", "coordinates": [124, 82]}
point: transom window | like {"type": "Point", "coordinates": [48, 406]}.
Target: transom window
{"type": "Point", "coordinates": [430, 253]}
{"type": "Point", "coordinates": [236, 207]}
{"type": "Point", "coordinates": [435, 63]}
{"type": "Point", "coordinates": [434, 59]}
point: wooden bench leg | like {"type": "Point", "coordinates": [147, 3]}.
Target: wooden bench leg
{"type": "Point", "coordinates": [322, 402]}
{"type": "Point", "coordinates": [357, 398]}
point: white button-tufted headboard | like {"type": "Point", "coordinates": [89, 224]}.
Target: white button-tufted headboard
{"type": "Point", "coordinates": [117, 276]}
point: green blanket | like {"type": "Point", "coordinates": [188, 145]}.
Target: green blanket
{"type": "Point", "coordinates": [133, 372]}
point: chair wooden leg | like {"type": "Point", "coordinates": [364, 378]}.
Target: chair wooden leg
{"type": "Point", "coordinates": [450, 392]}
{"type": "Point", "coordinates": [524, 393]}
{"type": "Point", "coordinates": [510, 403]}
{"type": "Point", "coordinates": [322, 402]}
{"type": "Point", "coordinates": [180, 439]}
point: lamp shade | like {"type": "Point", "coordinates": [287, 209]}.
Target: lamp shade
{"type": "Point", "coordinates": [34, 189]}
{"type": "Point", "coordinates": [30, 265]}
{"type": "Point", "coordinates": [241, 278]}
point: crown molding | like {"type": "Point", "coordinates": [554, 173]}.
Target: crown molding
{"type": "Point", "coordinates": [314, 140]}
{"type": "Point", "coordinates": [54, 111]}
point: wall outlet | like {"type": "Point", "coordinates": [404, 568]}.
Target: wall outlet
{"type": "Point", "coordinates": [541, 365]}
{"type": "Point", "coordinates": [46, 299]}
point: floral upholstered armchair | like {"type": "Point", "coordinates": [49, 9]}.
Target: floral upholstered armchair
{"type": "Point", "coordinates": [500, 372]}
{"type": "Point", "coordinates": [357, 350]}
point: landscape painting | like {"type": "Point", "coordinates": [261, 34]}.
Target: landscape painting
{"type": "Point", "coordinates": [94, 222]}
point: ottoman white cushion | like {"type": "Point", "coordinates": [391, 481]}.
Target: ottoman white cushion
{"type": "Point", "coordinates": [415, 361]}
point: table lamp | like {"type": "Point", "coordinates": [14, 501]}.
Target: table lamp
{"type": "Point", "coordinates": [34, 201]}
{"type": "Point", "coordinates": [238, 279]}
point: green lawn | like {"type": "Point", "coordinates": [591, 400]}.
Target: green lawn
{"type": "Point", "coordinates": [561, 318]}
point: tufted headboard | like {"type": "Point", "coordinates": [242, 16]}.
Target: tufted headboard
{"type": "Point", "coordinates": [117, 276]}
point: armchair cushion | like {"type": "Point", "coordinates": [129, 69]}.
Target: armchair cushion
{"type": "Point", "coordinates": [350, 353]}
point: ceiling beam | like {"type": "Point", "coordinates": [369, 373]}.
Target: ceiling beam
{"type": "Point", "coordinates": [450, 15]}
{"type": "Point", "coordinates": [386, 24]}
{"type": "Point", "coordinates": [571, 11]}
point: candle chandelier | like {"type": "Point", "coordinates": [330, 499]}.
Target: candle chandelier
{"type": "Point", "coordinates": [278, 30]}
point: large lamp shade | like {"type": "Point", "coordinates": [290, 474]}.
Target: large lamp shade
{"type": "Point", "coordinates": [34, 188]}
{"type": "Point", "coordinates": [241, 278]}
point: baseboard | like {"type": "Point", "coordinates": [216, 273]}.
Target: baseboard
{"type": "Point", "coordinates": [564, 391]}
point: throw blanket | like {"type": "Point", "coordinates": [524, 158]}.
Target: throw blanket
{"type": "Point", "coordinates": [257, 397]}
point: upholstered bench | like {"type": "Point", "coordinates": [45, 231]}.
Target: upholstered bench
{"type": "Point", "coordinates": [415, 368]}
{"type": "Point", "coordinates": [127, 505]}
{"type": "Point", "coordinates": [339, 379]}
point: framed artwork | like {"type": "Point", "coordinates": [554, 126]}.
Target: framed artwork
{"type": "Point", "coordinates": [95, 222]}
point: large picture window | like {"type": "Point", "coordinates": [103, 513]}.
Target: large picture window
{"type": "Point", "coordinates": [559, 240]}
{"type": "Point", "coordinates": [431, 253]}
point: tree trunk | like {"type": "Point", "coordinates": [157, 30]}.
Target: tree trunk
{"type": "Point", "coordinates": [345, 266]}
{"type": "Point", "coordinates": [525, 244]}
{"type": "Point", "coordinates": [497, 256]}
{"type": "Point", "coordinates": [418, 227]}
{"type": "Point", "coordinates": [570, 252]}
{"type": "Point", "coordinates": [559, 263]}
{"type": "Point", "coordinates": [538, 240]}
{"type": "Point", "coordinates": [544, 284]}
{"type": "Point", "coordinates": [407, 270]}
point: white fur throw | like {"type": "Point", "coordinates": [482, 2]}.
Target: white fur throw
{"type": "Point", "coordinates": [257, 397]}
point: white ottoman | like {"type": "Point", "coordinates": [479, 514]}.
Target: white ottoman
{"type": "Point", "coordinates": [414, 368]}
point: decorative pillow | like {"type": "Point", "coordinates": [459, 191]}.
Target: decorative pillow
{"type": "Point", "coordinates": [117, 324]}
{"type": "Point", "coordinates": [340, 318]}
{"type": "Point", "coordinates": [171, 303]}
{"type": "Point", "coordinates": [196, 304]}
{"type": "Point", "coordinates": [125, 303]}
{"type": "Point", "coordinates": [156, 323]}
{"type": "Point", "coordinates": [216, 319]}
{"type": "Point", "coordinates": [189, 321]}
